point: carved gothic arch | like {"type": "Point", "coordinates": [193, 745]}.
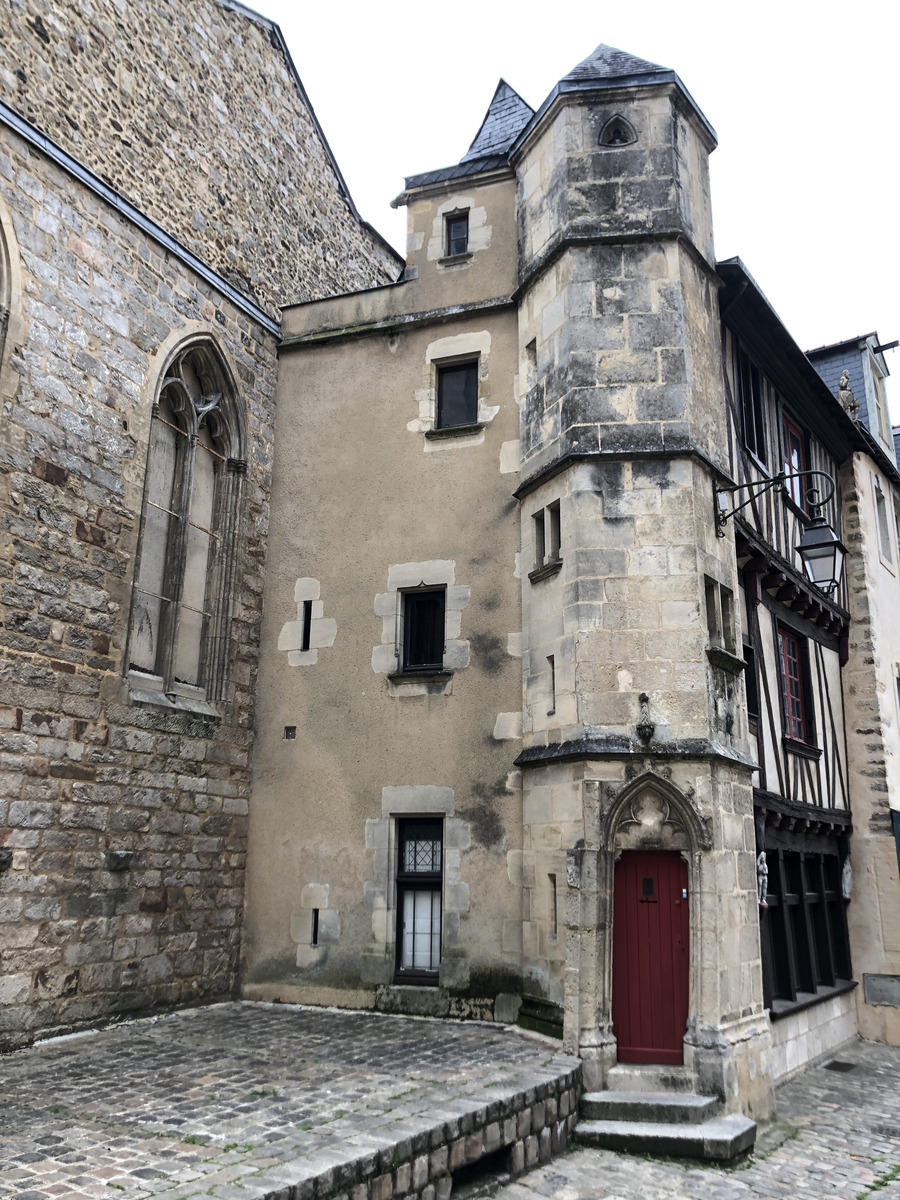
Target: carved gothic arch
{"type": "Point", "coordinates": [651, 812]}
{"type": "Point", "coordinates": [617, 132]}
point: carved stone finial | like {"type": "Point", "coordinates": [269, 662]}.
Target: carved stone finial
{"type": "Point", "coordinates": [645, 727]}
{"type": "Point", "coordinates": [849, 402]}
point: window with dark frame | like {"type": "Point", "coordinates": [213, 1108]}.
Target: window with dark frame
{"type": "Point", "coordinates": [751, 397]}
{"type": "Point", "coordinates": [457, 226]}
{"type": "Point", "coordinates": [794, 687]}
{"type": "Point", "coordinates": [419, 887]}
{"type": "Point", "coordinates": [424, 629]}
{"type": "Point", "coordinates": [457, 395]}
{"type": "Point", "coordinates": [803, 930]}
{"type": "Point", "coordinates": [795, 462]}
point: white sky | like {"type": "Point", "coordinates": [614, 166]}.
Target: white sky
{"type": "Point", "coordinates": [804, 98]}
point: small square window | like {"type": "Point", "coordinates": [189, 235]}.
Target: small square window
{"type": "Point", "coordinates": [423, 630]}
{"type": "Point", "coordinates": [457, 395]}
{"type": "Point", "coordinates": [457, 234]}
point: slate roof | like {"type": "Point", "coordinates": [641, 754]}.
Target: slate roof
{"type": "Point", "coordinates": [607, 62]}
{"type": "Point", "coordinates": [506, 117]}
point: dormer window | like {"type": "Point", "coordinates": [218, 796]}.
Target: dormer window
{"type": "Point", "coordinates": [457, 240]}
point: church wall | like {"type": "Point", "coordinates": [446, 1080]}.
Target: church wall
{"type": "Point", "coordinates": [192, 113]}
{"type": "Point", "coordinates": [371, 746]}
{"type": "Point", "coordinates": [85, 771]}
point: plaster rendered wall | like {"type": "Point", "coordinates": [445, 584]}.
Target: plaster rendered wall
{"type": "Point", "coordinates": [491, 269]}
{"type": "Point", "coordinates": [365, 503]}
{"type": "Point", "coordinates": [97, 307]}
{"type": "Point", "coordinates": [189, 110]}
{"type": "Point", "coordinates": [873, 742]}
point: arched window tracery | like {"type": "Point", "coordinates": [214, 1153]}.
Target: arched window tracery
{"type": "Point", "coordinates": [182, 601]}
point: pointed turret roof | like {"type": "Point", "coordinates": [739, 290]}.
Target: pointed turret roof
{"type": "Point", "coordinates": [609, 63]}
{"type": "Point", "coordinates": [506, 117]}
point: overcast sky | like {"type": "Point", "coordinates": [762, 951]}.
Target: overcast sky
{"type": "Point", "coordinates": [803, 96]}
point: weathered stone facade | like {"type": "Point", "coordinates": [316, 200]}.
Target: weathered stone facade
{"type": "Point", "coordinates": [123, 823]}
{"type": "Point", "coordinates": [195, 114]}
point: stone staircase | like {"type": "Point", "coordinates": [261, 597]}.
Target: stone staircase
{"type": "Point", "coordinates": [637, 1115]}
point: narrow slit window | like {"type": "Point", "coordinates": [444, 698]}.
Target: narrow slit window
{"type": "Point", "coordinates": [307, 624]}
{"type": "Point", "coordinates": [457, 395]}
{"type": "Point", "coordinates": [554, 532]}
{"type": "Point", "coordinates": [539, 541]}
{"type": "Point", "coordinates": [314, 939]}
{"type": "Point", "coordinates": [551, 665]}
{"type": "Point", "coordinates": [554, 907]}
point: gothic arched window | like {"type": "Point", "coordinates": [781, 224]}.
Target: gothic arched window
{"type": "Point", "coordinates": [181, 607]}
{"type": "Point", "coordinates": [617, 132]}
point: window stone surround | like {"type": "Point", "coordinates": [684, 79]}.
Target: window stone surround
{"type": "Point", "coordinates": [386, 657]}
{"type": "Point", "coordinates": [379, 895]}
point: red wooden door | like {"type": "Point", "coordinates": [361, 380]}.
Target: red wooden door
{"type": "Point", "coordinates": [651, 936]}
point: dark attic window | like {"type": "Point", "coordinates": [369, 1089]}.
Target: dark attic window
{"type": "Point", "coordinates": [617, 132]}
{"type": "Point", "coordinates": [457, 234]}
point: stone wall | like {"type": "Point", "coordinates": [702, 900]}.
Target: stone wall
{"type": "Point", "coordinates": [84, 773]}
{"type": "Point", "coordinates": [873, 744]}
{"type": "Point", "coordinates": [194, 114]}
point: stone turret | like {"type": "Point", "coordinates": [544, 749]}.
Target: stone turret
{"type": "Point", "coordinates": [632, 740]}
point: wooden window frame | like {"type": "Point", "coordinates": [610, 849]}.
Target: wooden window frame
{"type": "Point", "coordinates": [409, 598]}
{"type": "Point", "coordinates": [451, 240]}
{"type": "Point", "coordinates": [794, 487]}
{"type": "Point", "coordinates": [417, 881]}
{"type": "Point", "coordinates": [798, 727]}
{"type": "Point", "coordinates": [805, 948]}
{"type": "Point", "coordinates": [751, 387]}
{"type": "Point", "coordinates": [469, 365]}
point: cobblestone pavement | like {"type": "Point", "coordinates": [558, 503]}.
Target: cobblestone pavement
{"type": "Point", "coordinates": [227, 1101]}
{"type": "Point", "coordinates": [237, 1100]}
{"type": "Point", "coordinates": [847, 1145]}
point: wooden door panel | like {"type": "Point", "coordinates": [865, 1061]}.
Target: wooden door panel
{"type": "Point", "coordinates": [651, 956]}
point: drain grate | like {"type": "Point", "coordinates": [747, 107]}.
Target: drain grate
{"type": "Point", "coordinates": [838, 1064]}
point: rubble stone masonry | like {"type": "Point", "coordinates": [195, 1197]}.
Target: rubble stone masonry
{"type": "Point", "coordinates": [83, 772]}
{"type": "Point", "coordinates": [192, 112]}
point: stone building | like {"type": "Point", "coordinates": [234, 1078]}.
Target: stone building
{"type": "Point", "coordinates": [473, 590]}
{"type": "Point", "coordinates": [140, 214]}
{"type": "Point", "coordinates": [872, 677]}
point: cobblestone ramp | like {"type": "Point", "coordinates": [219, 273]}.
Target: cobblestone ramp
{"type": "Point", "coordinates": [251, 1102]}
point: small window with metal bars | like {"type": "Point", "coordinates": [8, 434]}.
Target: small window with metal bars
{"type": "Point", "coordinates": [180, 609]}
{"type": "Point", "coordinates": [419, 887]}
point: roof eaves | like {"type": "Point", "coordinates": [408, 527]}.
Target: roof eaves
{"type": "Point", "coordinates": [852, 431]}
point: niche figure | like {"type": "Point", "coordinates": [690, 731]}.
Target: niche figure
{"type": "Point", "coordinates": [849, 402]}
{"type": "Point", "coordinates": [762, 879]}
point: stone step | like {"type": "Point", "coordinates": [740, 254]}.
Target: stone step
{"type": "Point", "coordinates": [673, 1108]}
{"type": "Point", "coordinates": [721, 1138]}
{"type": "Point", "coordinates": [649, 1077]}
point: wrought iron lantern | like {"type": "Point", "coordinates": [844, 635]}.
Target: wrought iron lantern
{"type": "Point", "coordinates": [820, 549]}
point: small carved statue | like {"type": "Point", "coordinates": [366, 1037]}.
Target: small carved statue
{"type": "Point", "coordinates": [848, 401]}
{"type": "Point", "coordinates": [846, 879]}
{"type": "Point", "coordinates": [762, 879]}
{"type": "Point", "coordinates": [645, 727]}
